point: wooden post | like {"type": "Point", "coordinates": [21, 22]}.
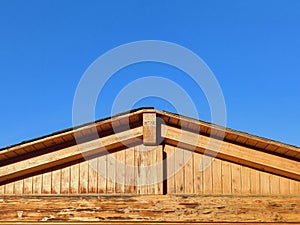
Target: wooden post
{"type": "Point", "coordinates": [149, 128]}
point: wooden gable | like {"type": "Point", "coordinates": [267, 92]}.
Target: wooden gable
{"type": "Point", "coordinates": [150, 153]}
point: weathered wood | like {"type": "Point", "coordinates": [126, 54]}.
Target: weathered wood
{"type": "Point", "coordinates": [171, 208]}
{"type": "Point", "coordinates": [231, 152]}
{"type": "Point", "coordinates": [149, 128]}
{"type": "Point", "coordinates": [68, 154]}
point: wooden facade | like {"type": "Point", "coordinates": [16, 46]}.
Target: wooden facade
{"type": "Point", "coordinates": [151, 167]}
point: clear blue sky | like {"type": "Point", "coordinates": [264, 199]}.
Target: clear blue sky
{"type": "Point", "coordinates": [253, 48]}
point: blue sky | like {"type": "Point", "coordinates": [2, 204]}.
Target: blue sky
{"type": "Point", "coordinates": [253, 48]}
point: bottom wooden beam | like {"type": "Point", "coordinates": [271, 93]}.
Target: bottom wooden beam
{"type": "Point", "coordinates": [149, 209]}
{"type": "Point", "coordinates": [140, 223]}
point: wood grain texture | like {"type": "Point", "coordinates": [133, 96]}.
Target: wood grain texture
{"type": "Point", "coordinates": [232, 152]}
{"type": "Point", "coordinates": [151, 208]}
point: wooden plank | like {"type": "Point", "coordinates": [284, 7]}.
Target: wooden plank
{"type": "Point", "coordinates": [28, 185]}
{"type": "Point", "coordinates": [151, 170]}
{"type": "Point", "coordinates": [56, 182]}
{"type": "Point", "coordinates": [265, 183]}
{"type": "Point", "coordinates": [217, 176]}
{"type": "Point", "coordinates": [111, 173]}
{"type": "Point", "coordinates": [37, 184]}
{"type": "Point", "coordinates": [9, 189]}
{"type": "Point", "coordinates": [284, 185]}
{"type": "Point", "coordinates": [46, 183]}
{"type": "Point", "coordinates": [149, 209]}
{"type": "Point", "coordinates": [142, 165]}
{"type": "Point", "coordinates": [1, 189]}
{"type": "Point", "coordinates": [236, 178]}
{"type": "Point", "coordinates": [93, 176]}
{"type": "Point", "coordinates": [18, 190]}
{"type": "Point", "coordinates": [170, 173]}
{"type": "Point", "coordinates": [149, 128]}
{"type": "Point", "coordinates": [159, 170]}
{"type": "Point", "coordinates": [120, 171]}
{"type": "Point", "coordinates": [74, 179]}
{"type": "Point", "coordinates": [102, 173]}
{"type": "Point", "coordinates": [198, 174]}
{"type": "Point", "coordinates": [65, 180]}
{"type": "Point", "coordinates": [83, 177]}
{"type": "Point", "coordinates": [274, 185]}
{"type": "Point", "coordinates": [255, 181]}
{"type": "Point", "coordinates": [68, 154]}
{"type": "Point", "coordinates": [207, 175]}
{"type": "Point", "coordinates": [129, 173]}
{"type": "Point", "coordinates": [179, 171]}
{"type": "Point", "coordinates": [246, 180]}
{"type": "Point", "coordinates": [226, 177]}
{"type": "Point", "coordinates": [188, 172]}
{"type": "Point", "coordinates": [294, 187]}
{"type": "Point", "coordinates": [232, 152]}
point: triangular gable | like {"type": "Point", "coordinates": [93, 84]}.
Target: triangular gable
{"type": "Point", "coordinates": [150, 127]}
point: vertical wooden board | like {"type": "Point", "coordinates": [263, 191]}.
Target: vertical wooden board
{"type": "Point", "coordinates": [102, 172]}
{"type": "Point", "coordinates": [151, 170]}
{"type": "Point", "coordinates": [159, 170]}
{"type": "Point", "coordinates": [170, 173]}
{"type": "Point", "coordinates": [246, 180]}
{"type": "Point", "coordinates": [274, 185]}
{"type": "Point", "coordinates": [83, 177]}
{"type": "Point", "coordinates": [188, 172]}
{"type": "Point", "coordinates": [55, 184]}
{"type": "Point", "coordinates": [294, 187]}
{"type": "Point", "coordinates": [93, 176]}
{"type": "Point", "coordinates": [19, 187]}
{"type": "Point", "coordinates": [46, 183]}
{"type": "Point", "coordinates": [226, 178]}
{"type": "Point", "coordinates": [236, 178]}
{"type": "Point", "coordinates": [255, 181]}
{"type": "Point", "coordinates": [65, 180]}
{"type": "Point", "coordinates": [27, 185]}
{"type": "Point", "coordinates": [137, 170]}
{"type": "Point", "coordinates": [74, 179]}
{"type": "Point", "coordinates": [9, 188]}
{"type": "Point", "coordinates": [37, 184]}
{"type": "Point", "coordinates": [120, 171]}
{"type": "Point", "coordinates": [179, 171]}
{"type": "Point", "coordinates": [217, 176]}
{"type": "Point", "coordinates": [207, 175]}
{"type": "Point", "coordinates": [1, 189]}
{"type": "Point", "coordinates": [129, 171]}
{"type": "Point", "coordinates": [265, 183]}
{"type": "Point", "coordinates": [111, 173]}
{"type": "Point", "coordinates": [143, 152]}
{"type": "Point", "coordinates": [284, 186]}
{"type": "Point", "coordinates": [198, 173]}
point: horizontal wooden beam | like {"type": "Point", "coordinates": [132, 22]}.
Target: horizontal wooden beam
{"type": "Point", "coordinates": [150, 209]}
{"type": "Point", "coordinates": [231, 152]}
{"type": "Point", "coordinates": [143, 223]}
{"type": "Point", "coordinates": [69, 154]}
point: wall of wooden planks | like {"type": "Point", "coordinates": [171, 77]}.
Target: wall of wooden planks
{"type": "Point", "coordinates": [186, 173]}
{"type": "Point", "coordinates": [220, 177]}
{"type": "Point", "coordinates": [84, 178]}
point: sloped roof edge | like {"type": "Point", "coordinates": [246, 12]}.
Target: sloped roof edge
{"type": "Point", "coordinates": [231, 135]}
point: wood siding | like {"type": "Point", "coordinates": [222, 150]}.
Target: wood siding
{"type": "Point", "coordinates": [141, 172]}
{"type": "Point", "coordinates": [205, 175]}
{"type": "Point", "coordinates": [130, 171]}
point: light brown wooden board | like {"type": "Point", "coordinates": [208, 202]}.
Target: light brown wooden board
{"type": "Point", "coordinates": [169, 208]}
